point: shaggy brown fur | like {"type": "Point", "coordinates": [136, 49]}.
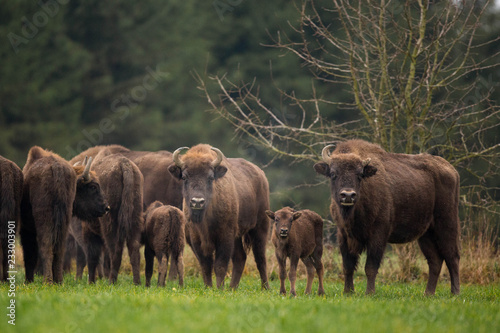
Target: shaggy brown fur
{"type": "Point", "coordinates": [11, 191]}
{"type": "Point", "coordinates": [164, 238]}
{"type": "Point", "coordinates": [380, 197]}
{"type": "Point", "coordinates": [225, 205]}
{"type": "Point", "coordinates": [158, 182]}
{"type": "Point", "coordinates": [122, 182]}
{"type": "Point", "coordinates": [53, 192]}
{"type": "Point", "coordinates": [298, 234]}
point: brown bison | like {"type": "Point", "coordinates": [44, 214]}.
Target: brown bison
{"type": "Point", "coordinates": [225, 203]}
{"type": "Point", "coordinates": [53, 192]}
{"type": "Point", "coordinates": [298, 235]}
{"type": "Point", "coordinates": [163, 237]}
{"type": "Point", "coordinates": [380, 197]}
{"type": "Point", "coordinates": [11, 191]}
{"type": "Point", "coordinates": [121, 181]}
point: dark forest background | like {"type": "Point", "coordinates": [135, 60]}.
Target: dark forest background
{"type": "Point", "coordinates": [74, 74]}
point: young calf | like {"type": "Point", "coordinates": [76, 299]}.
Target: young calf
{"type": "Point", "coordinates": [298, 234]}
{"type": "Point", "coordinates": [163, 237]}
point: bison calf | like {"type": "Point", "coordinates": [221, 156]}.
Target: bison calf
{"type": "Point", "coordinates": [298, 234]}
{"type": "Point", "coordinates": [164, 238]}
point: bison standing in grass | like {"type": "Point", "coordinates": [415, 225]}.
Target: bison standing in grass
{"type": "Point", "coordinates": [122, 183]}
{"type": "Point", "coordinates": [225, 203]}
{"type": "Point", "coordinates": [298, 235]}
{"type": "Point", "coordinates": [164, 237]}
{"type": "Point", "coordinates": [11, 191]}
{"type": "Point", "coordinates": [379, 197]}
{"type": "Point", "coordinates": [53, 192]}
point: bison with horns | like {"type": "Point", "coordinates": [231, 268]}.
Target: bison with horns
{"type": "Point", "coordinates": [225, 202]}
{"type": "Point", "coordinates": [53, 192]}
{"type": "Point", "coordinates": [379, 197]}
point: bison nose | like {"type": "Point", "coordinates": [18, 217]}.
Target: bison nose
{"type": "Point", "coordinates": [347, 197]}
{"type": "Point", "coordinates": [284, 232]}
{"type": "Point", "coordinates": [107, 209]}
{"type": "Point", "coordinates": [197, 203]}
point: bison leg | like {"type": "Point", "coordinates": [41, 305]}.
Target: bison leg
{"type": "Point", "coordinates": [94, 250]}
{"type": "Point", "coordinates": [447, 242]}
{"type": "Point", "coordinates": [349, 262]}
{"type": "Point", "coordinates": [429, 248]}
{"type": "Point", "coordinates": [374, 255]}
{"type": "Point", "coordinates": [292, 275]}
{"type": "Point", "coordinates": [172, 272]}
{"type": "Point", "coordinates": [162, 268]}
{"type": "Point", "coordinates": [46, 253]}
{"type": "Point", "coordinates": [282, 272]}
{"type": "Point", "coordinates": [30, 253]}
{"type": "Point", "coordinates": [223, 253]}
{"type": "Point", "coordinates": [135, 259]}
{"type": "Point", "coordinates": [115, 254]}
{"type": "Point", "coordinates": [318, 264]}
{"type": "Point", "coordinates": [239, 259]}
{"type": "Point", "coordinates": [259, 241]}
{"type": "Point", "coordinates": [149, 256]}
{"type": "Point", "coordinates": [206, 263]}
{"type": "Point", "coordinates": [180, 267]}
{"type": "Point", "coordinates": [81, 261]}
{"type": "Point", "coordinates": [69, 253]}
{"type": "Point", "coordinates": [310, 274]}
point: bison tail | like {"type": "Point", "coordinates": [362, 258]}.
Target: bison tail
{"type": "Point", "coordinates": [62, 203]}
{"type": "Point", "coordinates": [127, 207]}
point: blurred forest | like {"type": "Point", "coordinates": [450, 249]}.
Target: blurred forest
{"type": "Point", "coordinates": [75, 74]}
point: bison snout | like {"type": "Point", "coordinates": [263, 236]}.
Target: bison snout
{"type": "Point", "coordinates": [284, 232]}
{"type": "Point", "coordinates": [107, 209]}
{"type": "Point", "coordinates": [347, 197]}
{"type": "Point", "coordinates": [197, 203]}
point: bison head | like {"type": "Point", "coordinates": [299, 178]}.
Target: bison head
{"type": "Point", "coordinates": [198, 170]}
{"type": "Point", "coordinates": [89, 200]}
{"type": "Point", "coordinates": [346, 173]}
{"type": "Point", "coordinates": [283, 219]}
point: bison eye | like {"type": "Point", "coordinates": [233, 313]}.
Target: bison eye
{"type": "Point", "coordinates": [333, 176]}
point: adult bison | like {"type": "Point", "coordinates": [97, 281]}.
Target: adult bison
{"type": "Point", "coordinates": [53, 191]}
{"type": "Point", "coordinates": [121, 181]}
{"type": "Point", "coordinates": [379, 197]}
{"type": "Point", "coordinates": [11, 191]}
{"type": "Point", "coordinates": [225, 203]}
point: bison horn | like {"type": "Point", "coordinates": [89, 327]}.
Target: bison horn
{"type": "Point", "coordinates": [77, 163]}
{"type": "Point", "coordinates": [86, 172]}
{"type": "Point", "coordinates": [366, 162]}
{"type": "Point", "coordinates": [218, 160]}
{"type": "Point", "coordinates": [85, 160]}
{"type": "Point", "coordinates": [325, 153]}
{"type": "Point", "coordinates": [176, 158]}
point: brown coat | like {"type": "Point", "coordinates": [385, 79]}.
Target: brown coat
{"type": "Point", "coordinates": [164, 238]}
{"type": "Point", "coordinates": [380, 197]}
{"type": "Point", "coordinates": [225, 203]}
{"type": "Point", "coordinates": [53, 192]}
{"type": "Point", "coordinates": [298, 235]}
{"type": "Point", "coordinates": [11, 191]}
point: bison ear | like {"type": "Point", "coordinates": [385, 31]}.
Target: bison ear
{"type": "Point", "coordinates": [220, 171]}
{"type": "Point", "coordinates": [296, 215]}
{"type": "Point", "coordinates": [322, 168]}
{"type": "Point", "coordinates": [369, 170]}
{"type": "Point", "coordinates": [175, 171]}
{"type": "Point", "coordinates": [270, 214]}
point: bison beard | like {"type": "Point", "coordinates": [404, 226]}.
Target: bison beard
{"type": "Point", "coordinates": [393, 198]}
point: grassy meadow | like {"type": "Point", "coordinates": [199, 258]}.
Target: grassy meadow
{"type": "Point", "coordinates": [396, 307]}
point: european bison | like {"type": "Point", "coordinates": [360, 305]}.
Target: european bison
{"type": "Point", "coordinates": [11, 191]}
{"type": "Point", "coordinates": [225, 203]}
{"type": "Point", "coordinates": [379, 197]}
{"type": "Point", "coordinates": [121, 181]}
{"type": "Point", "coordinates": [53, 192]}
{"type": "Point", "coordinates": [163, 238]}
{"type": "Point", "coordinates": [298, 235]}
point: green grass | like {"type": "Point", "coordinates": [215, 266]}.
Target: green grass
{"type": "Point", "coordinates": [396, 307]}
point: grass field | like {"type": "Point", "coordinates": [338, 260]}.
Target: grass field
{"type": "Point", "coordinates": [396, 307]}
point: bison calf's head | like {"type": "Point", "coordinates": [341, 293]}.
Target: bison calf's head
{"type": "Point", "coordinates": [346, 172]}
{"type": "Point", "coordinates": [283, 220]}
{"type": "Point", "coordinates": [198, 170]}
{"type": "Point", "coordinates": [89, 200]}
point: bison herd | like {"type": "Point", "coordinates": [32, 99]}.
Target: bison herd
{"type": "Point", "coordinates": [109, 196]}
